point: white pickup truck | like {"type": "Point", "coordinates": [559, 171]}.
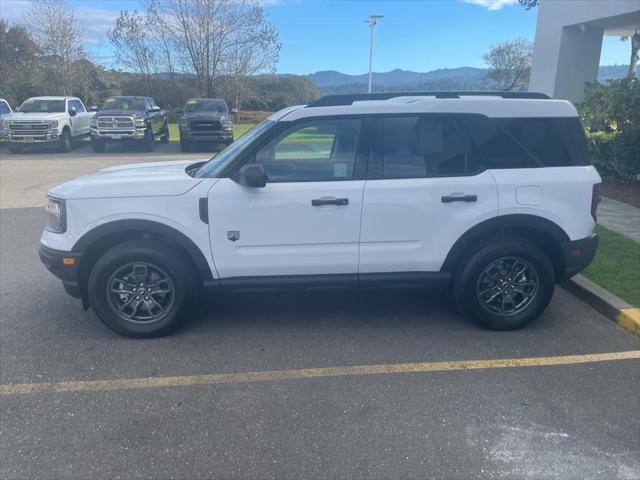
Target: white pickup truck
{"type": "Point", "coordinates": [56, 121]}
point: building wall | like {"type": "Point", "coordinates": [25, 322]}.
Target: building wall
{"type": "Point", "coordinates": [568, 41]}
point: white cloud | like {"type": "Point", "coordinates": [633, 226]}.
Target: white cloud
{"type": "Point", "coordinates": [94, 22]}
{"type": "Point", "coordinates": [492, 4]}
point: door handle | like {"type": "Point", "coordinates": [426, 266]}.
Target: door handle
{"type": "Point", "coordinates": [318, 202]}
{"type": "Point", "coordinates": [459, 198]}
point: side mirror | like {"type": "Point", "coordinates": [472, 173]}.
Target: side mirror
{"type": "Point", "coordinates": [155, 109]}
{"type": "Point", "coordinates": [252, 175]}
{"type": "Point", "coordinates": [72, 111]}
{"type": "Point", "coordinates": [93, 108]}
{"type": "Point", "coordinates": [180, 111]}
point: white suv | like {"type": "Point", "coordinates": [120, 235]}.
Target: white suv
{"type": "Point", "coordinates": [488, 195]}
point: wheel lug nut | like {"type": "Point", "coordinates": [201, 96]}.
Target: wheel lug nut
{"type": "Point", "coordinates": [137, 298]}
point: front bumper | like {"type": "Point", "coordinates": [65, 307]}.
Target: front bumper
{"type": "Point", "coordinates": [49, 136]}
{"type": "Point", "coordinates": [65, 266]}
{"type": "Point", "coordinates": [207, 135]}
{"type": "Point", "coordinates": [579, 254]}
{"type": "Point", "coordinates": [118, 135]}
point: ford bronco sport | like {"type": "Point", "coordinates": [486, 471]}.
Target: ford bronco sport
{"type": "Point", "coordinates": [487, 195]}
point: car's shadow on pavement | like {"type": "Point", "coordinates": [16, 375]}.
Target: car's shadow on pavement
{"type": "Point", "coordinates": [366, 308]}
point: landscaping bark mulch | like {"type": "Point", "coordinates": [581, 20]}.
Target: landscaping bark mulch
{"type": "Point", "coordinates": [623, 192]}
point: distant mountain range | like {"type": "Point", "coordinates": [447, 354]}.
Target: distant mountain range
{"type": "Point", "coordinates": [330, 81]}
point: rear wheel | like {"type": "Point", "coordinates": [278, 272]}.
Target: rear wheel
{"type": "Point", "coordinates": [505, 284]}
{"type": "Point", "coordinates": [65, 141]}
{"type": "Point", "coordinates": [141, 288]}
{"type": "Point", "coordinates": [98, 146]}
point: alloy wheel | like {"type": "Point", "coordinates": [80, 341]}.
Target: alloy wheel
{"type": "Point", "coordinates": [140, 292]}
{"type": "Point", "coordinates": [507, 286]}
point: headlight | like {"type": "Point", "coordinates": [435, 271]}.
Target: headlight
{"type": "Point", "coordinates": [93, 122]}
{"type": "Point", "coordinates": [53, 123]}
{"type": "Point", "coordinates": [6, 123]}
{"type": "Point", "coordinates": [140, 122]}
{"type": "Point", "coordinates": [56, 215]}
{"type": "Point", "coordinates": [184, 123]}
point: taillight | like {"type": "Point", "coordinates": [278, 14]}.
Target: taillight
{"type": "Point", "coordinates": [595, 200]}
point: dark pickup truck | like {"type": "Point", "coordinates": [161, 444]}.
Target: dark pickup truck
{"type": "Point", "coordinates": [205, 120]}
{"type": "Point", "coordinates": [122, 119]}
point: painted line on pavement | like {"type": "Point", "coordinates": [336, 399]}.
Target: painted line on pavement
{"type": "Point", "coordinates": [275, 375]}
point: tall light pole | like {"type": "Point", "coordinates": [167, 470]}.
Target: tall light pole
{"type": "Point", "coordinates": [372, 20]}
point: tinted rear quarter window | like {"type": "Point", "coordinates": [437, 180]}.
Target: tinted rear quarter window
{"type": "Point", "coordinates": [527, 142]}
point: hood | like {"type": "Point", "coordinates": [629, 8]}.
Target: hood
{"type": "Point", "coordinates": [137, 180]}
{"type": "Point", "coordinates": [120, 113]}
{"type": "Point", "coordinates": [35, 116]}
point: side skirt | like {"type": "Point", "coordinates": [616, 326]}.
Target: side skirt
{"type": "Point", "coordinates": [435, 281]}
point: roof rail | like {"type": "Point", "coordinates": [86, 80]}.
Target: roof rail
{"type": "Point", "coordinates": [349, 98]}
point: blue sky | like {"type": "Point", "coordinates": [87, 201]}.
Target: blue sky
{"type": "Point", "coordinates": [417, 35]}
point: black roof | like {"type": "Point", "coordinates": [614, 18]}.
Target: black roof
{"type": "Point", "coordinates": [349, 98]}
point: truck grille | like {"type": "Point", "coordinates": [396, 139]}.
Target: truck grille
{"type": "Point", "coordinates": [115, 123]}
{"type": "Point", "coordinates": [33, 127]}
{"type": "Point", "coordinates": [205, 124]}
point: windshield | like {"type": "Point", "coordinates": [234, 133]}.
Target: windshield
{"type": "Point", "coordinates": [123, 104]}
{"type": "Point", "coordinates": [205, 106]}
{"type": "Point", "coordinates": [214, 166]}
{"type": "Point", "coordinates": [43, 106]}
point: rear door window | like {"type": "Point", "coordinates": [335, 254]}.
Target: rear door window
{"type": "Point", "coordinates": [421, 146]}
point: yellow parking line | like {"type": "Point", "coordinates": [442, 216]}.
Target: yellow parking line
{"type": "Point", "coordinates": [212, 379]}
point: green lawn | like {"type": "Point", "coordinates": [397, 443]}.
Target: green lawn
{"type": "Point", "coordinates": [238, 130]}
{"type": "Point", "coordinates": [616, 265]}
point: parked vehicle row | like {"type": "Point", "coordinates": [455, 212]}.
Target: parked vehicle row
{"type": "Point", "coordinates": [59, 121]}
{"type": "Point", "coordinates": [488, 196]}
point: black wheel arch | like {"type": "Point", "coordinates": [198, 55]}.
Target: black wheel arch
{"type": "Point", "coordinates": [544, 233]}
{"type": "Point", "coordinates": [95, 242]}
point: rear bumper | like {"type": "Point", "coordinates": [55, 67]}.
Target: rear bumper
{"type": "Point", "coordinates": [579, 254]}
{"type": "Point", "coordinates": [63, 265]}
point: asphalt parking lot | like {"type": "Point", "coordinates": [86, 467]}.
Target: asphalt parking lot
{"type": "Point", "coordinates": [566, 412]}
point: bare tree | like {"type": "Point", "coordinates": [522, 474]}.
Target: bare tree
{"type": "Point", "coordinates": [132, 45]}
{"type": "Point", "coordinates": [54, 28]}
{"type": "Point", "coordinates": [207, 33]}
{"type": "Point", "coordinates": [635, 48]}
{"type": "Point", "coordinates": [255, 49]}
{"type": "Point", "coordinates": [509, 64]}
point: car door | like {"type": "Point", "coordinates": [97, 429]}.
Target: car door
{"type": "Point", "coordinates": [155, 115]}
{"type": "Point", "coordinates": [423, 192]}
{"type": "Point", "coordinates": [82, 118]}
{"type": "Point", "coordinates": [306, 220]}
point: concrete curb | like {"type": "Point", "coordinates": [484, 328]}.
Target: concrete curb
{"type": "Point", "coordinates": [605, 302]}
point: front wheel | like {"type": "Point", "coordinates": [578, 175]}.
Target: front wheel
{"type": "Point", "coordinates": [185, 145]}
{"type": "Point", "coordinates": [141, 288]}
{"type": "Point", "coordinates": [149, 143]}
{"type": "Point", "coordinates": [65, 141]}
{"type": "Point", "coordinates": [505, 284]}
{"type": "Point", "coordinates": [15, 149]}
{"type": "Point", "coordinates": [98, 146]}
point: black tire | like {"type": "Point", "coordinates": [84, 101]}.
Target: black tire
{"type": "Point", "coordinates": [15, 149]}
{"type": "Point", "coordinates": [160, 261]}
{"type": "Point", "coordinates": [491, 272]}
{"type": "Point", "coordinates": [65, 141]}
{"type": "Point", "coordinates": [98, 146]}
{"type": "Point", "coordinates": [185, 146]}
{"type": "Point", "coordinates": [164, 139]}
{"type": "Point", "coordinates": [149, 142]}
